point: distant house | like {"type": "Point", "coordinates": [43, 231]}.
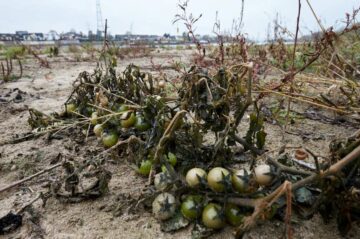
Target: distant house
{"type": "Point", "coordinates": [136, 39]}
{"type": "Point", "coordinates": [22, 36]}
{"type": "Point", "coordinates": [33, 37]}
{"type": "Point", "coordinates": [39, 36]}
{"type": "Point", "coordinates": [7, 37]}
{"type": "Point", "coordinates": [21, 33]}
{"type": "Point", "coordinates": [72, 35]}
{"type": "Point", "coordinates": [52, 36]}
{"type": "Point", "coordinates": [67, 36]}
{"type": "Point", "coordinates": [121, 37]}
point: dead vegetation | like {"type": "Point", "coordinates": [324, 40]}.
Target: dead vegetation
{"type": "Point", "coordinates": [163, 136]}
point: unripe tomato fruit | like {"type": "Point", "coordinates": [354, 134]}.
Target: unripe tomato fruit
{"type": "Point", "coordinates": [141, 124]}
{"type": "Point", "coordinates": [129, 122]}
{"type": "Point", "coordinates": [122, 108]}
{"type": "Point", "coordinates": [233, 214]}
{"type": "Point", "coordinates": [212, 216]}
{"type": "Point", "coordinates": [71, 107]}
{"type": "Point", "coordinates": [109, 139]}
{"type": "Point", "coordinates": [164, 206]}
{"type": "Point", "coordinates": [239, 181]}
{"type": "Point", "coordinates": [94, 118]}
{"type": "Point", "coordinates": [263, 175]}
{"type": "Point", "coordinates": [98, 130]}
{"type": "Point", "coordinates": [216, 179]}
{"type": "Point", "coordinates": [145, 167]}
{"type": "Point", "coordinates": [191, 207]}
{"type": "Point", "coordinates": [193, 175]}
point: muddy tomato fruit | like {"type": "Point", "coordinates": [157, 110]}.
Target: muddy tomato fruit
{"type": "Point", "coordinates": [164, 206]}
{"type": "Point", "coordinates": [194, 177]}
{"type": "Point", "coordinates": [212, 216]}
{"type": "Point", "coordinates": [191, 207]}
{"type": "Point", "coordinates": [109, 139]}
{"type": "Point", "coordinates": [128, 120]}
{"type": "Point", "coordinates": [217, 179]}
{"type": "Point", "coordinates": [263, 174]}
{"type": "Point", "coordinates": [233, 214]}
{"type": "Point", "coordinates": [98, 130]}
{"type": "Point", "coordinates": [240, 180]}
{"type": "Point", "coordinates": [162, 181]}
{"type": "Point", "coordinates": [145, 167]}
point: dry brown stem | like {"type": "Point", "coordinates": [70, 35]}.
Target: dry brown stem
{"type": "Point", "coordinates": [17, 183]}
{"type": "Point", "coordinates": [167, 134]}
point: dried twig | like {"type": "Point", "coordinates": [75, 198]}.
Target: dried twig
{"type": "Point", "coordinates": [29, 178]}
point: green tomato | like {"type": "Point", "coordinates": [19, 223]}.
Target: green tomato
{"type": "Point", "coordinates": [129, 122]}
{"type": "Point", "coordinates": [109, 139]}
{"type": "Point", "coordinates": [212, 216]}
{"type": "Point", "coordinates": [98, 130]}
{"type": "Point", "coordinates": [240, 181]}
{"type": "Point", "coordinates": [233, 214]}
{"type": "Point", "coordinates": [71, 107]}
{"type": "Point", "coordinates": [216, 179]}
{"type": "Point", "coordinates": [94, 118]}
{"type": "Point", "coordinates": [194, 177]}
{"type": "Point", "coordinates": [141, 124]}
{"type": "Point", "coordinates": [172, 159]}
{"type": "Point", "coordinates": [191, 207]}
{"type": "Point", "coordinates": [122, 108]}
{"type": "Point", "coordinates": [145, 167]}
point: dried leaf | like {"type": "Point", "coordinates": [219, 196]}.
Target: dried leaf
{"type": "Point", "coordinates": [175, 223]}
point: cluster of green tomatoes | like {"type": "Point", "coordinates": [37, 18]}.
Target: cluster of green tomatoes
{"type": "Point", "coordinates": [199, 208]}
{"type": "Point", "coordinates": [104, 126]}
{"type": "Point", "coordinates": [193, 207]}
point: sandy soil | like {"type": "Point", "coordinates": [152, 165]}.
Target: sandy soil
{"type": "Point", "coordinates": [46, 90]}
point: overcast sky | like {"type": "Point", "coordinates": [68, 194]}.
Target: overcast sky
{"type": "Point", "coordinates": [155, 16]}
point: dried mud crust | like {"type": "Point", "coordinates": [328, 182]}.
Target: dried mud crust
{"type": "Point", "coordinates": [46, 90]}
